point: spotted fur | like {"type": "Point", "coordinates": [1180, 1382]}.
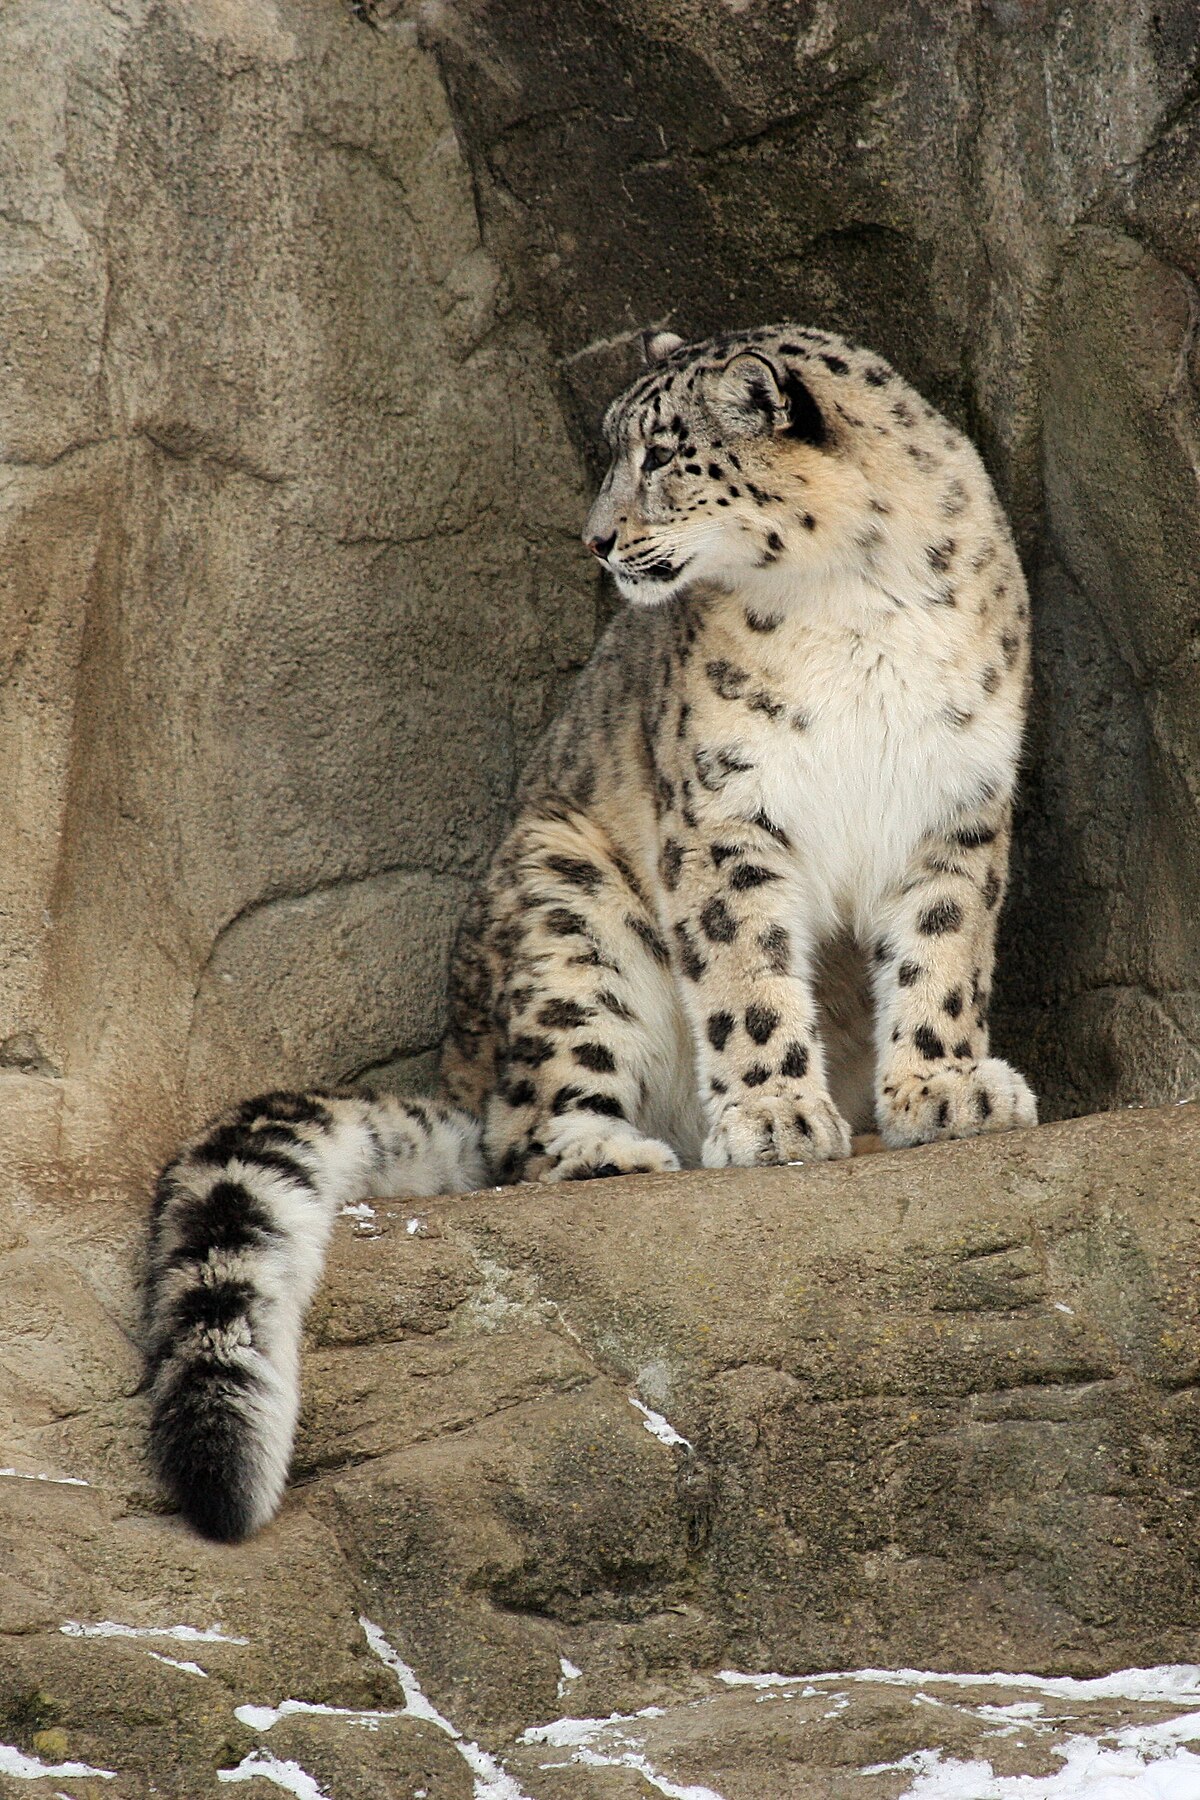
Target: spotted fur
{"type": "Point", "coordinates": [748, 902]}
{"type": "Point", "coordinates": [240, 1223]}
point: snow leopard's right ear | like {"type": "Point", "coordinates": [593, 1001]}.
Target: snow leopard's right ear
{"type": "Point", "coordinates": [764, 397]}
{"type": "Point", "coordinates": [658, 345]}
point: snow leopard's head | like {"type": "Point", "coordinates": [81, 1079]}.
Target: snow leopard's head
{"type": "Point", "coordinates": [733, 459]}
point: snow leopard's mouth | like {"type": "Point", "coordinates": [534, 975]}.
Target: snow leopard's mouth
{"type": "Point", "coordinates": [656, 569]}
{"type": "Point", "coordinates": [662, 570]}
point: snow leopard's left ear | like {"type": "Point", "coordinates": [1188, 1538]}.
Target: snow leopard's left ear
{"type": "Point", "coordinates": [658, 345]}
{"type": "Point", "coordinates": [763, 397]}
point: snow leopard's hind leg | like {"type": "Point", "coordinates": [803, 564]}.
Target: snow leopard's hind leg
{"type": "Point", "coordinates": [241, 1220]}
{"type": "Point", "coordinates": [590, 1038]}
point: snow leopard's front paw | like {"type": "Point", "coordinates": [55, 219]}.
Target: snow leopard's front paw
{"type": "Point", "coordinates": [776, 1128]}
{"type": "Point", "coordinates": [594, 1153]}
{"type": "Point", "coordinates": [961, 1101]}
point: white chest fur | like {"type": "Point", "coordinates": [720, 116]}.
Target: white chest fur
{"type": "Point", "coordinates": [888, 735]}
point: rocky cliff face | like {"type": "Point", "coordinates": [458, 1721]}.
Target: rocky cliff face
{"type": "Point", "coordinates": [306, 314]}
{"type": "Point", "coordinates": [290, 567]}
{"type": "Point", "coordinates": [309, 312]}
{"type": "Point", "coordinates": [573, 1451]}
{"type": "Point", "coordinates": [1005, 200]}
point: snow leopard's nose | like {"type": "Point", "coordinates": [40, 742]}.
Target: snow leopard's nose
{"type": "Point", "coordinates": [601, 546]}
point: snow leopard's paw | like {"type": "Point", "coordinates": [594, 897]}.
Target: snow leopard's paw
{"type": "Point", "coordinates": [959, 1102]}
{"type": "Point", "coordinates": [598, 1151]}
{"type": "Point", "coordinates": [776, 1128]}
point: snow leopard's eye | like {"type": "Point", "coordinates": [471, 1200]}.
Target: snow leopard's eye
{"type": "Point", "coordinates": [656, 457]}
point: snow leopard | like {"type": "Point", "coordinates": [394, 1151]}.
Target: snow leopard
{"type": "Point", "coordinates": [747, 903]}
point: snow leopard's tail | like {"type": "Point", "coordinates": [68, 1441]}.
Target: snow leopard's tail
{"type": "Point", "coordinates": [241, 1220]}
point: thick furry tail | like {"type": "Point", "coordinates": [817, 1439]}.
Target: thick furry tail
{"type": "Point", "coordinates": [241, 1220]}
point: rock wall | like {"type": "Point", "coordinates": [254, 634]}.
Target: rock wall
{"type": "Point", "coordinates": [571, 1453]}
{"type": "Point", "coordinates": [1005, 200]}
{"type": "Point", "coordinates": [290, 567]}
{"type": "Point", "coordinates": [309, 311]}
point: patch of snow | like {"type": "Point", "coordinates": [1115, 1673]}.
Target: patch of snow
{"type": "Point", "coordinates": [260, 1764]}
{"type": "Point", "coordinates": [415, 1703]}
{"type": "Point", "coordinates": [1061, 1306]}
{"type": "Point", "coordinates": [582, 1737]}
{"type": "Point", "coordinates": [366, 1220]}
{"type": "Point", "coordinates": [734, 1678]}
{"type": "Point", "coordinates": [1183, 1730]}
{"type": "Point", "coordinates": [58, 1480]}
{"type": "Point", "coordinates": [32, 1768]}
{"type": "Point", "coordinates": [569, 1674]}
{"type": "Point", "coordinates": [262, 1718]}
{"type": "Point", "coordinates": [259, 1718]}
{"type": "Point", "coordinates": [1137, 1762]}
{"type": "Point", "coordinates": [633, 1759]}
{"type": "Point", "coordinates": [1090, 1771]}
{"type": "Point", "coordinates": [566, 1733]}
{"type": "Point", "coordinates": [1165, 1682]}
{"type": "Point", "coordinates": [183, 1634]}
{"type": "Point", "coordinates": [657, 1426]}
{"type": "Point", "coordinates": [414, 1225]}
{"type": "Point", "coordinates": [173, 1662]}
{"type": "Point", "coordinates": [491, 1781]}
{"type": "Point", "coordinates": [915, 1760]}
{"type": "Point", "coordinates": [35, 1770]}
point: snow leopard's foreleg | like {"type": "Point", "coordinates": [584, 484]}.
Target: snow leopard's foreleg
{"type": "Point", "coordinates": [746, 970]}
{"type": "Point", "coordinates": [933, 977]}
{"type": "Point", "coordinates": [584, 1008]}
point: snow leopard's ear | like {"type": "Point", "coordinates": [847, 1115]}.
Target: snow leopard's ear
{"type": "Point", "coordinates": [765, 397]}
{"type": "Point", "coordinates": [658, 345]}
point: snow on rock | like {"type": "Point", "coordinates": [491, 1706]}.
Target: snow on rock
{"type": "Point", "coordinates": [184, 1634]}
{"type": "Point", "coordinates": [261, 1765]}
{"type": "Point", "coordinates": [569, 1673]}
{"type": "Point", "coordinates": [491, 1781]}
{"type": "Point", "coordinates": [1120, 1762]}
{"type": "Point", "coordinates": [174, 1662]}
{"type": "Point", "coordinates": [58, 1480]}
{"type": "Point", "coordinates": [1168, 1681]}
{"type": "Point", "coordinates": [659, 1427]}
{"type": "Point", "coordinates": [1091, 1771]}
{"type": "Point", "coordinates": [263, 1718]}
{"type": "Point", "coordinates": [31, 1768]}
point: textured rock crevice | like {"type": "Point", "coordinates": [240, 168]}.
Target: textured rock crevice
{"type": "Point", "coordinates": [279, 454]}
{"type": "Point", "coordinates": [1003, 202]}
{"type": "Point", "coordinates": [310, 315]}
{"type": "Point", "coordinates": [937, 1409]}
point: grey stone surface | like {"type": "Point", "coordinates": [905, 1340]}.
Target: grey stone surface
{"type": "Point", "coordinates": [290, 568]}
{"type": "Point", "coordinates": [1004, 200]}
{"type": "Point", "coordinates": [854, 1738]}
{"type": "Point", "coordinates": [942, 1414]}
{"type": "Point", "coordinates": [309, 314]}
